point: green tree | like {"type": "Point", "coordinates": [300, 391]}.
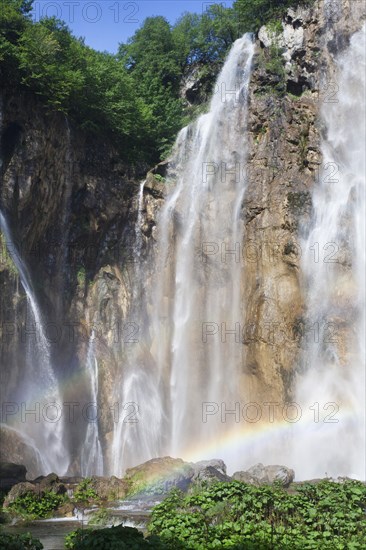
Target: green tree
{"type": "Point", "coordinates": [150, 58]}
{"type": "Point", "coordinates": [252, 14]}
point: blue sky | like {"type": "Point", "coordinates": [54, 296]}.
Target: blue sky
{"type": "Point", "coordinates": [106, 23]}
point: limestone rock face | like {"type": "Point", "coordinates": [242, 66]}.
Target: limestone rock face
{"type": "Point", "coordinates": [78, 247]}
{"type": "Point", "coordinates": [81, 249]}
{"type": "Point", "coordinates": [283, 164]}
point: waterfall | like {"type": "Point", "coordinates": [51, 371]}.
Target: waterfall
{"type": "Point", "coordinates": [91, 461]}
{"type": "Point", "coordinates": [137, 413]}
{"type": "Point", "coordinates": [138, 230]}
{"type": "Point", "coordinates": [194, 287]}
{"type": "Point", "coordinates": [38, 395]}
{"type": "Point", "coordinates": [333, 381]}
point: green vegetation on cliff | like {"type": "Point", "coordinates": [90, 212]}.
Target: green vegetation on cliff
{"type": "Point", "coordinates": [132, 98]}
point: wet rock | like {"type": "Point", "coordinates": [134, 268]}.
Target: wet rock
{"type": "Point", "coordinates": [245, 477]}
{"type": "Point", "coordinates": [110, 488]}
{"type": "Point", "coordinates": [19, 490]}
{"type": "Point", "coordinates": [159, 475]}
{"type": "Point", "coordinates": [271, 474]}
{"type": "Point", "coordinates": [65, 510]}
{"type": "Point", "coordinates": [210, 475]}
{"type": "Point", "coordinates": [11, 474]}
{"type": "Point", "coordinates": [215, 463]}
{"type": "Point", "coordinates": [19, 449]}
{"type": "Point", "coordinates": [48, 483]}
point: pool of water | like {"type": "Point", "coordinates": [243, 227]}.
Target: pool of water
{"type": "Point", "coordinates": [51, 533]}
{"type": "Point", "coordinates": [133, 512]}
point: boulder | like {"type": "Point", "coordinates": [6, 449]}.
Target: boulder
{"type": "Point", "coordinates": [65, 510]}
{"type": "Point", "coordinates": [17, 448]}
{"type": "Point", "coordinates": [19, 490]}
{"type": "Point", "coordinates": [210, 475]}
{"type": "Point", "coordinates": [245, 477]}
{"type": "Point", "coordinates": [11, 474]}
{"type": "Point", "coordinates": [48, 483]}
{"type": "Point", "coordinates": [214, 462]}
{"type": "Point", "coordinates": [159, 475]}
{"type": "Point", "coordinates": [110, 488]}
{"type": "Point", "coordinates": [272, 473]}
{"type": "Point", "coordinates": [280, 473]}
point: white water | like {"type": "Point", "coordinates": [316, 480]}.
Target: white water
{"type": "Point", "coordinates": [189, 290]}
{"type": "Point", "coordinates": [335, 367]}
{"type": "Point", "coordinates": [91, 461]}
{"type": "Point", "coordinates": [138, 415]}
{"type": "Point", "coordinates": [138, 229]}
{"type": "Point", "coordinates": [38, 389]}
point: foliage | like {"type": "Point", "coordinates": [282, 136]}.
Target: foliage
{"type": "Point", "coordinates": [112, 538]}
{"type": "Point", "coordinates": [252, 14]}
{"type": "Point", "coordinates": [100, 517]}
{"type": "Point", "coordinates": [85, 491]}
{"type": "Point", "coordinates": [132, 98]}
{"type": "Point", "coordinates": [31, 505]}
{"type": "Point", "coordinates": [6, 262]}
{"type": "Point", "coordinates": [19, 542]}
{"type": "Point", "coordinates": [235, 515]}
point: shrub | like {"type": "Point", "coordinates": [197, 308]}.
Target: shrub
{"type": "Point", "coordinates": [19, 542]}
{"type": "Point", "coordinates": [112, 538]}
{"type": "Point", "coordinates": [85, 491]}
{"type": "Point", "coordinates": [326, 516]}
{"type": "Point", "coordinates": [35, 506]}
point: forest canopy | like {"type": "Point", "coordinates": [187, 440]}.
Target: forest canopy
{"type": "Point", "coordinates": [133, 97]}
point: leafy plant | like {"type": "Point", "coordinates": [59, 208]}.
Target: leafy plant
{"type": "Point", "coordinates": [235, 515]}
{"type": "Point", "coordinates": [19, 542]}
{"type": "Point", "coordinates": [100, 517]}
{"type": "Point", "coordinates": [252, 14]}
{"type": "Point", "coordinates": [112, 538]}
{"type": "Point", "coordinates": [85, 491]}
{"type": "Point", "coordinates": [37, 506]}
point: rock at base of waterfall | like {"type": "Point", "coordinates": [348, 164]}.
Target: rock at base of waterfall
{"type": "Point", "coordinates": [245, 477]}
{"type": "Point", "coordinates": [40, 486]}
{"type": "Point", "coordinates": [49, 483]}
{"type": "Point", "coordinates": [19, 490]}
{"type": "Point", "coordinates": [110, 488]}
{"type": "Point", "coordinates": [11, 474]}
{"type": "Point", "coordinates": [216, 463]}
{"type": "Point", "coordinates": [159, 475]}
{"type": "Point", "coordinates": [210, 475]}
{"type": "Point", "coordinates": [271, 474]}
{"type": "Point", "coordinates": [17, 449]}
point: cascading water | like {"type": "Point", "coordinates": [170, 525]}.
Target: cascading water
{"type": "Point", "coordinates": [138, 230]}
{"type": "Point", "coordinates": [38, 390]}
{"type": "Point", "coordinates": [193, 287]}
{"type": "Point", "coordinates": [138, 414]}
{"type": "Point", "coordinates": [333, 384]}
{"type": "Point", "coordinates": [91, 462]}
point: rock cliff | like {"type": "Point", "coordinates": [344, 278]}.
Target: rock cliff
{"type": "Point", "coordinates": [73, 207]}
